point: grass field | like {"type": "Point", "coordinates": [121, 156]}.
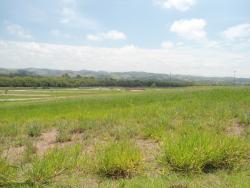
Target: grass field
{"type": "Point", "coordinates": [177, 138]}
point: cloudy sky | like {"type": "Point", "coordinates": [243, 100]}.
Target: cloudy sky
{"type": "Point", "coordinates": [198, 37]}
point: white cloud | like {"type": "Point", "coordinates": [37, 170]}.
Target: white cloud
{"type": "Point", "coordinates": [241, 31]}
{"type": "Point", "coordinates": [58, 33]}
{"type": "Point", "coordinates": [110, 35]}
{"type": "Point", "coordinates": [193, 29]}
{"type": "Point", "coordinates": [92, 37]}
{"type": "Point", "coordinates": [167, 44]}
{"type": "Point", "coordinates": [71, 16]}
{"type": "Point", "coordinates": [199, 61]}
{"type": "Point", "coordinates": [181, 5]}
{"type": "Point", "coordinates": [114, 35]}
{"type": "Point", "coordinates": [17, 30]}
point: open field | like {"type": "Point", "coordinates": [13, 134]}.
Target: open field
{"type": "Point", "coordinates": [177, 138]}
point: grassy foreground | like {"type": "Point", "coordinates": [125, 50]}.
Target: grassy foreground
{"type": "Point", "coordinates": [177, 138]}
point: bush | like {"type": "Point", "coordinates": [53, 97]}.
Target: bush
{"type": "Point", "coordinates": [197, 151]}
{"type": "Point", "coordinates": [34, 130]}
{"type": "Point", "coordinates": [119, 160]}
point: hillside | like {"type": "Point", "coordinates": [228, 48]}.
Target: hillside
{"type": "Point", "coordinates": [125, 75]}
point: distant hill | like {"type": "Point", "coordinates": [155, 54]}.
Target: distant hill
{"type": "Point", "coordinates": [125, 75]}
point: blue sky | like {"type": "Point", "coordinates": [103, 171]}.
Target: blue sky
{"type": "Point", "coordinates": [200, 37]}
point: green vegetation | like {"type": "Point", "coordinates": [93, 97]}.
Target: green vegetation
{"type": "Point", "coordinates": [33, 130]}
{"type": "Point", "coordinates": [63, 136]}
{"type": "Point", "coordinates": [78, 81]}
{"type": "Point", "coordinates": [199, 151]}
{"type": "Point", "coordinates": [29, 152]}
{"type": "Point", "coordinates": [8, 174]}
{"type": "Point", "coordinates": [54, 163]}
{"type": "Point", "coordinates": [119, 160]}
{"type": "Point", "coordinates": [100, 137]}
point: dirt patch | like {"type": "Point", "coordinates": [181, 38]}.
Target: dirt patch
{"type": "Point", "coordinates": [13, 154]}
{"type": "Point", "coordinates": [150, 150]}
{"type": "Point", "coordinates": [42, 144]}
{"type": "Point", "coordinates": [236, 130]}
{"type": "Point", "coordinates": [46, 141]}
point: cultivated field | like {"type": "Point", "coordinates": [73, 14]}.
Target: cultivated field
{"type": "Point", "coordinates": [177, 138]}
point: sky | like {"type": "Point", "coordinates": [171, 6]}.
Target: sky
{"type": "Point", "coordinates": [194, 37]}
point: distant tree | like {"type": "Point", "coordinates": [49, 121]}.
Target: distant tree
{"type": "Point", "coordinates": [66, 75]}
{"type": "Point", "coordinates": [67, 81]}
{"type": "Point", "coordinates": [78, 76]}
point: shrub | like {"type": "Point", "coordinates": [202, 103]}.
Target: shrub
{"type": "Point", "coordinates": [197, 151]}
{"type": "Point", "coordinates": [34, 130]}
{"type": "Point", "coordinates": [119, 160]}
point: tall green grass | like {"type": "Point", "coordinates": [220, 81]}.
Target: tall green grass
{"type": "Point", "coordinates": [198, 151]}
{"type": "Point", "coordinates": [10, 176]}
{"type": "Point", "coordinates": [63, 136]}
{"type": "Point", "coordinates": [54, 163]}
{"type": "Point", "coordinates": [160, 115]}
{"type": "Point", "coordinates": [119, 160]}
{"type": "Point", "coordinates": [34, 129]}
{"type": "Point", "coordinates": [39, 171]}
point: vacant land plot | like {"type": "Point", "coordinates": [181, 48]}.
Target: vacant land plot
{"type": "Point", "coordinates": [185, 137]}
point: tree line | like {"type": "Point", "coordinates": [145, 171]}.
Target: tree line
{"type": "Point", "coordinates": [79, 81]}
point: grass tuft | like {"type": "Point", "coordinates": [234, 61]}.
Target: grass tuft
{"type": "Point", "coordinates": [34, 130]}
{"type": "Point", "coordinates": [63, 136]}
{"type": "Point", "coordinates": [9, 175]}
{"type": "Point", "coordinates": [245, 118]}
{"type": "Point", "coordinates": [119, 160]}
{"type": "Point", "coordinates": [54, 163]}
{"type": "Point", "coordinates": [11, 130]}
{"type": "Point", "coordinates": [197, 151]}
{"type": "Point", "coordinates": [155, 131]}
{"type": "Point", "coordinates": [29, 152]}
